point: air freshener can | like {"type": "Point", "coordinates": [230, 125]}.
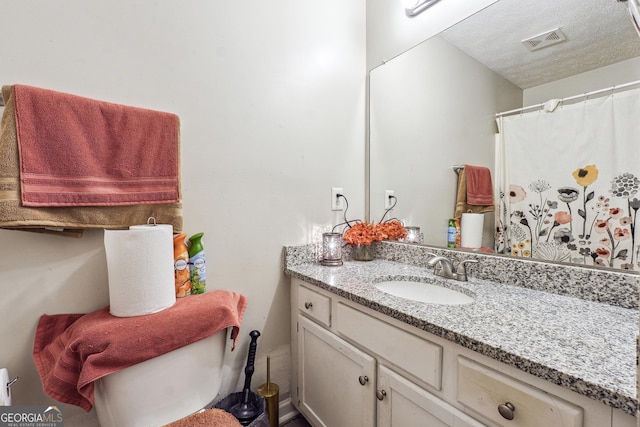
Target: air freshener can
{"type": "Point", "coordinates": [197, 265]}
{"type": "Point", "coordinates": [451, 233]}
{"type": "Point", "coordinates": [181, 268]}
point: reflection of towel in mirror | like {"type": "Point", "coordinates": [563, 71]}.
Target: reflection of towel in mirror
{"type": "Point", "coordinates": [479, 187]}
{"type": "Point", "coordinates": [472, 190]}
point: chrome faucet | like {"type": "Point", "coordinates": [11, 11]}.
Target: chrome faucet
{"type": "Point", "coordinates": [461, 271]}
{"type": "Point", "coordinates": [446, 267]}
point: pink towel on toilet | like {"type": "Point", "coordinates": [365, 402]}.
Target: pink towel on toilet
{"type": "Point", "coordinates": [71, 351]}
{"type": "Point", "coordinates": [479, 186]}
{"type": "Point", "coordinates": [77, 151]}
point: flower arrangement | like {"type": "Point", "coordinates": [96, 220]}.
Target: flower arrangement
{"type": "Point", "coordinates": [364, 233]}
{"type": "Point", "coordinates": [360, 235]}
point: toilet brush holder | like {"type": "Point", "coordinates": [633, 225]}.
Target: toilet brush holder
{"type": "Point", "coordinates": [271, 393]}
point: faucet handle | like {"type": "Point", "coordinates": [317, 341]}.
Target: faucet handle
{"type": "Point", "coordinates": [442, 266]}
{"type": "Point", "coordinates": [461, 270]}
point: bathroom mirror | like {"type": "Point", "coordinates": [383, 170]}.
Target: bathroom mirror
{"type": "Point", "coordinates": [434, 106]}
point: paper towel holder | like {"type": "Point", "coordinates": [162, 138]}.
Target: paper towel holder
{"type": "Point", "coordinates": [5, 396]}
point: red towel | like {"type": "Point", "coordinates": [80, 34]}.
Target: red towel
{"type": "Point", "coordinates": [77, 151]}
{"type": "Point", "coordinates": [73, 350]}
{"type": "Point", "coordinates": [479, 187]}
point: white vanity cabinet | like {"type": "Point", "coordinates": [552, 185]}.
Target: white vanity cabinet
{"type": "Point", "coordinates": [335, 379]}
{"type": "Point", "coordinates": [352, 366]}
{"type": "Point", "coordinates": [339, 384]}
{"type": "Point", "coordinates": [403, 403]}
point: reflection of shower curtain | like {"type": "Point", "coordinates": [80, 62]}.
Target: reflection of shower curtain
{"type": "Point", "coordinates": [569, 182]}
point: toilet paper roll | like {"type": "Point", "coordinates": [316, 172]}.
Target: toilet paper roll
{"type": "Point", "coordinates": [471, 227]}
{"type": "Point", "coordinates": [140, 269]}
{"type": "Point", "coordinates": [5, 392]}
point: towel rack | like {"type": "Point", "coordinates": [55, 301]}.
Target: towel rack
{"type": "Point", "coordinates": [457, 168]}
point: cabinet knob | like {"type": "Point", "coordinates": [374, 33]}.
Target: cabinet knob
{"type": "Point", "coordinates": [308, 305]}
{"type": "Point", "coordinates": [380, 394]}
{"type": "Point", "coordinates": [363, 379]}
{"type": "Point", "coordinates": [506, 410]}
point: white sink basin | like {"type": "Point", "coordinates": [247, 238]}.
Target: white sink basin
{"type": "Point", "coordinates": [423, 292]}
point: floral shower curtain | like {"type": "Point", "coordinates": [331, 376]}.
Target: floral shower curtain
{"type": "Point", "coordinates": [568, 182]}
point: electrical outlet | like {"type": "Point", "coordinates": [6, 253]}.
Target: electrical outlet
{"type": "Point", "coordinates": [336, 201]}
{"type": "Point", "coordinates": [388, 199]}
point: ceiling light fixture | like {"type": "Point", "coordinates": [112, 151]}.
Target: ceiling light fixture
{"type": "Point", "coordinates": [414, 7]}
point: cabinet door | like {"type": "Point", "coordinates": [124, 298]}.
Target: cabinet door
{"type": "Point", "coordinates": [336, 380]}
{"type": "Point", "coordinates": [402, 403]}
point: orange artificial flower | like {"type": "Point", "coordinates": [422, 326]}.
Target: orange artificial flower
{"type": "Point", "coordinates": [364, 233]}
{"type": "Point", "coordinates": [361, 233]}
{"type": "Point", "coordinates": [391, 230]}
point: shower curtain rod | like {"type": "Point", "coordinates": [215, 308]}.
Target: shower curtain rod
{"type": "Point", "coordinates": [571, 98]}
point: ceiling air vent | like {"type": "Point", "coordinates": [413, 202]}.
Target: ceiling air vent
{"type": "Point", "coordinates": [545, 39]}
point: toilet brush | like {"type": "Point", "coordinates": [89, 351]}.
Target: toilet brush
{"type": "Point", "coordinates": [270, 392]}
{"type": "Point", "coordinates": [246, 410]}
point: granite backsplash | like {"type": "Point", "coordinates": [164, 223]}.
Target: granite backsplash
{"type": "Point", "coordinates": [614, 287]}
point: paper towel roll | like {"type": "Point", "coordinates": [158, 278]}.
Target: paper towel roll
{"type": "Point", "coordinates": [140, 269]}
{"type": "Point", "coordinates": [471, 227]}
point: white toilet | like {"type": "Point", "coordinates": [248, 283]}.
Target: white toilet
{"type": "Point", "coordinates": [163, 389]}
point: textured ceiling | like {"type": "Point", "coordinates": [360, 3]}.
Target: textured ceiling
{"type": "Point", "coordinates": [599, 33]}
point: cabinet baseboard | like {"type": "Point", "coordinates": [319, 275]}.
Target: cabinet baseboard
{"type": "Point", "coordinates": [286, 411]}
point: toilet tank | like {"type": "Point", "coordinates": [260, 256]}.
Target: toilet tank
{"type": "Point", "coordinates": [163, 389]}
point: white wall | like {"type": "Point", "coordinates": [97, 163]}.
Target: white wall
{"type": "Point", "coordinates": [271, 99]}
{"type": "Point", "coordinates": [600, 78]}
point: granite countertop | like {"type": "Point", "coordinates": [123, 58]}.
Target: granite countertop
{"type": "Point", "coordinates": [587, 347]}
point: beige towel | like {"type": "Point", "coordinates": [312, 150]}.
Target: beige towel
{"type": "Point", "coordinates": [461, 199]}
{"type": "Point", "coordinates": [14, 215]}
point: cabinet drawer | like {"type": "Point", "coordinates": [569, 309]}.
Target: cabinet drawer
{"type": "Point", "coordinates": [414, 355]}
{"type": "Point", "coordinates": [483, 390]}
{"type": "Point", "coordinates": [315, 305]}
